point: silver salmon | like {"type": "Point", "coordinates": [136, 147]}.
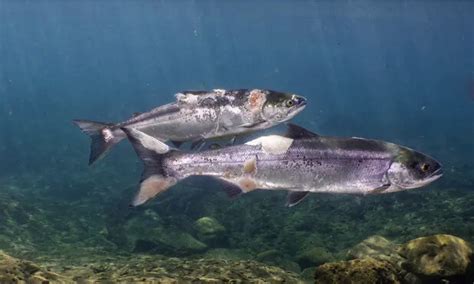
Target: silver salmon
{"type": "Point", "coordinates": [199, 115]}
{"type": "Point", "coordinates": [299, 162]}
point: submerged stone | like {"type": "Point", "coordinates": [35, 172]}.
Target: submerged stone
{"type": "Point", "coordinates": [208, 226]}
{"type": "Point", "coordinates": [438, 255]}
{"type": "Point", "coordinates": [13, 270]}
{"type": "Point", "coordinates": [358, 271]}
{"type": "Point", "coordinates": [376, 247]}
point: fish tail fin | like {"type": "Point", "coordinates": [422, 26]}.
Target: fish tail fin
{"type": "Point", "coordinates": [102, 137]}
{"type": "Point", "coordinates": [155, 179]}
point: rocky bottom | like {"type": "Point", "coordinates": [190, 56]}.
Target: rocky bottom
{"type": "Point", "coordinates": [141, 269]}
{"type": "Point", "coordinates": [432, 259]}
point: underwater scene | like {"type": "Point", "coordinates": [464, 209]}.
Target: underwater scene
{"type": "Point", "coordinates": [236, 141]}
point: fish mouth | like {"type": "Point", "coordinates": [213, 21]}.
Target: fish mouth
{"type": "Point", "coordinates": [301, 101]}
{"type": "Point", "coordinates": [431, 178]}
{"type": "Point", "coordinates": [436, 174]}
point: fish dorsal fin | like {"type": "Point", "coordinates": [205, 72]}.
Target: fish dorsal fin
{"type": "Point", "coordinates": [297, 132]}
{"type": "Point", "coordinates": [295, 197]}
{"type": "Point", "coordinates": [135, 114]}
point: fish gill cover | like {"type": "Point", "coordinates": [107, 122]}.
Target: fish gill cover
{"type": "Point", "coordinates": [395, 71]}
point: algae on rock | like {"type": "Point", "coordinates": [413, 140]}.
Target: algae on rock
{"type": "Point", "coordinates": [438, 255]}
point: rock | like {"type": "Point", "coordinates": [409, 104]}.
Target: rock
{"type": "Point", "coordinates": [357, 271]}
{"type": "Point", "coordinates": [437, 256]}
{"type": "Point", "coordinates": [308, 273]}
{"type": "Point", "coordinates": [376, 247]}
{"type": "Point", "coordinates": [14, 270]}
{"type": "Point", "coordinates": [159, 269]}
{"type": "Point", "coordinates": [314, 257]}
{"type": "Point", "coordinates": [209, 230]}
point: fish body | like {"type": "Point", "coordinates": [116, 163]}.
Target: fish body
{"type": "Point", "coordinates": [200, 115]}
{"type": "Point", "coordinates": [300, 162]}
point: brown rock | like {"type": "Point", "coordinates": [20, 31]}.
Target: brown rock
{"type": "Point", "coordinates": [437, 256]}
{"type": "Point", "coordinates": [363, 271]}
{"type": "Point", "coordinates": [376, 247]}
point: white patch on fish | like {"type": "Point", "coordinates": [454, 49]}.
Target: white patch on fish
{"type": "Point", "coordinates": [107, 134]}
{"type": "Point", "coordinates": [250, 166]}
{"type": "Point", "coordinates": [189, 99]}
{"type": "Point", "coordinates": [256, 100]}
{"type": "Point", "coordinates": [272, 144]}
{"type": "Point", "coordinates": [219, 92]}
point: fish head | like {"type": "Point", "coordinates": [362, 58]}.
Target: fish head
{"type": "Point", "coordinates": [280, 107]}
{"type": "Point", "coordinates": [411, 169]}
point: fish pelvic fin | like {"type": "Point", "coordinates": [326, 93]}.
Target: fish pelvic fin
{"type": "Point", "coordinates": [102, 137]}
{"type": "Point", "coordinates": [155, 179]}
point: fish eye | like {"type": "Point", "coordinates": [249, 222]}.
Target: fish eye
{"type": "Point", "coordinates": [290, 103]}
{"type": "Point", "coordinates": [424, 167]}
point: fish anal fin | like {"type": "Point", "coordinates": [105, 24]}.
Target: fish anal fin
{"type": "Point", "coordinates": [244, 183]}
{"type": "Point", "coordinates": [233, 191]}
{"type": "Point", "coordinates": [297, 132]}
{"type": "Point", "coordinates": [295, 197]}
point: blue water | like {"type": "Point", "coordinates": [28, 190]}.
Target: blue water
{"type": "Point", "coordinates": [401, 71]}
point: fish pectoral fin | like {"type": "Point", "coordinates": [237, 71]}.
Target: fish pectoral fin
{"type": "Point", "coordinates": [295, 197]}
{"type": "Point", "coordinates": [297, 132]}
{"type": "Point", "coordinates": [379, 189]}
{"type": "Point", "coordinates": [232, 141]}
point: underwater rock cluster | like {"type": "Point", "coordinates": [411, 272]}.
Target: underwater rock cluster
{"type": "Point", "coordinates": [143, 269]}
{"type": "Point", "coordinates": [40, 221]}
{"type": "Point", "coordinates": [13, 270]}
{"type": "Point", "coordinates": [432, 259]}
